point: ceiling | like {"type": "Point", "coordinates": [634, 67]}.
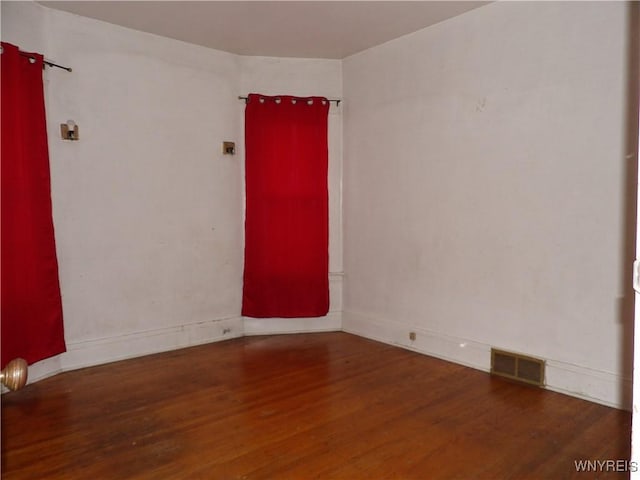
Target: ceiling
{"type": "Point", "coordinates": [307, 29]}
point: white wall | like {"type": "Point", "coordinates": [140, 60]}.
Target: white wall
{"type": "Point", "coordinates": [485, 197]}
{"type": "Point", "coordinates": [148, 213]}
{"type": "Point", "coordinates": [146, 208]}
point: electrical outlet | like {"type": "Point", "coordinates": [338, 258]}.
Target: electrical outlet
{"type": "Point", "coordinates": [412, 336]}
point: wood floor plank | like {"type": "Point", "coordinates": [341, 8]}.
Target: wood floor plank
{"type": "Point", "coordinates": [325, 406]}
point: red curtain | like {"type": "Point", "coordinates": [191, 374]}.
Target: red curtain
{"type": "Point", "coordinates": [31, 307]}
{"type": "Point", "coordinates": [286, 271]}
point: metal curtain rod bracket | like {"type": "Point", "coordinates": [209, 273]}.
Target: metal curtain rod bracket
{"type": "Point", "coordinates": [337, 100]}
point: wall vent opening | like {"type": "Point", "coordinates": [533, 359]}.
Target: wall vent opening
{"type": "Point", "coordinates": [517, 367]}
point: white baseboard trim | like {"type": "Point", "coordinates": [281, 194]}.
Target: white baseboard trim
{"type": "Point", "coordinates": [605, 388]}
{"type": "Point", "coordinates": [43, 369]}
{"type": "Point", "coordinates": [88, 353]}
{"type": "Point", "coordinates": [332, 322]}
{"type": "Point", "coordinates": [91, 352]}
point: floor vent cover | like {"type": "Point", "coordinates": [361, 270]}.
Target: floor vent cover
{"type": "Point", "coordinates": [517, 367]}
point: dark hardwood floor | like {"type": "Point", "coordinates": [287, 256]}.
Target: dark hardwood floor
{"type": "Point", "coordinates": [326, 406]}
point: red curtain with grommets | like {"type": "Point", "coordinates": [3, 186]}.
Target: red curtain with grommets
{"type": "Point", "coordinates": [31, 306]}
{"type": "Point", "coordinates": [286, 271]}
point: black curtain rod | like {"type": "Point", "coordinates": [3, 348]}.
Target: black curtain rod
{"type": "Point", "coordinates": [51, 64]}
{"type": "Point", "coordinates": [246, 99]}
{"type": "Point", "coordinates": [47, 62]}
